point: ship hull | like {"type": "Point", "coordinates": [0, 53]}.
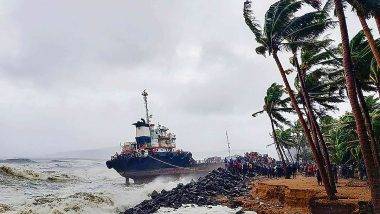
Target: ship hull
{"type": "Point", "coordinates": [175, 172]}
{"type": "Point", "coordinates": [168, 164]}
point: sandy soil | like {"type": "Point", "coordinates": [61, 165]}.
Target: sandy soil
{"type": "Point", "coordinates": [303, 195]}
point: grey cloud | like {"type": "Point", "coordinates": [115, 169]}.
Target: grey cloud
{"type": "Point", "coordinates": [71, 73]}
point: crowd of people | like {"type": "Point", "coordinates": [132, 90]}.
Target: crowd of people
{"type": "Point", "coordinates": [253, 164]}
{"type": "Point", "coordinates": [345, 171]}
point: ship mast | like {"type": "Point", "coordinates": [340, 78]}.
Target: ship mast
{"type": "Point", "coordinates": [145, 95]}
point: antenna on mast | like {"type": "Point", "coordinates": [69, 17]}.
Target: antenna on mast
{"type": "Point", "coordinates": [228, 144]}
{"type": "Point", "coordinates": [145, 95]}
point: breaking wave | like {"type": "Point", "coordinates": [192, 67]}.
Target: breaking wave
{"type": "Point", "coordinates": [80, 202]}
{"type": "Point", "coordinates": [32, 175]}
{"type": "Point", "coordinates": [77, 186]}
{"type": "Point", "coordinates": [4, 208]}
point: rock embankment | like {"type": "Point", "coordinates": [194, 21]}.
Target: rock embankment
{"type": "Point", "coordinates": [205, 191]}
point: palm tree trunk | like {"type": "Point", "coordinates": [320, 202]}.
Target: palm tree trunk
{"type": "Point", "coordinates": [377, 19]}
{"type": "Point", "coordinates": [285, 155]}
{"type": "Point", "coordinates": [372, 171]}
{"type": "Point", "coordinates": [313, 122]}
{"type": "Point", "coordinates": [368, 124]}
{"type": "Point", "coordinates": [290, 155]}
{"type": "Point", "coordinates": [329, 191]}
{"type": "Point", "coordinates": [275, 140]}
{"type": "Point", "coordinates": [371, 40]}
{"type": "Point", "coordinates": [325, 155]}
{"type": "Point", "coordinates": [298, 154]}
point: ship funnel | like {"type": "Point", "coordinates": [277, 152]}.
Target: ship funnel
{"type": "Point", "coordinates": [142, 133]}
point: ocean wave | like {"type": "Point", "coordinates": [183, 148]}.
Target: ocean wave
{"type": "Point", "coordinates": [80, 202]}
{"type": "Point", "coordinates": [59, 161]}
{"type": "Point", "coordinates": [97, 198]}
{"type": "Point", "coordinates": [17, 160]}
{"type": "Point", "coordinates": [4, 208]}
{"type": "Point", "coordinates": [32, 175]}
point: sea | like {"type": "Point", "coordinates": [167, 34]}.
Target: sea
{"type": "Point", "coordinates": [78, 186]}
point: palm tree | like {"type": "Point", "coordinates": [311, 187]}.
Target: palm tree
{"type": "Point", "coordinates": [310, 78]}
{"type": "Point", "coordinates": [274, 106]}
{"type": "Point", "coordinates": [373, 7]}
{"type": "Point", "coordinates": [363, 12]}
{"type": "Point", "coordinates": [321, 68]}
{"type": "Point", "coordinates": [285, 141]}
{"type": "Point", "coordinates": [342, 139]}
{"type": "Point", "coordinates": [341, 135]}
{"type": "Point", "coordinates": [373, 105]}
{"type": "Point", "coordinates": [375, 76]}
{"type": "Point", "coordinates": [298, 138]}
{"type": "Point", "coordinates": [279, 25]}
{"type": "Point", "coordinates": [361, 59]}
{"type": "Point", "coordinates": [373, 171]}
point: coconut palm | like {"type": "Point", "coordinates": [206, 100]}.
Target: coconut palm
{"type": "Point", "coordinates": [274, 106]}
{"type": "Point", "coordinates": [372, 7]}
{"type": "Point", "coordinates": [286, 142]}
{"type": "Point", "coordinates": [373, 170]}
{"type": "Point", "coordinates": [343, 141]}
{"type": "Point", "coordinates": [314, 83]}
{"type": "Point", "coordinates": [363, 10]}
{"type": "Point", "coordinates": [375, 76]}
{"type": "Point", "coordinates": [302, 150]}
{"type": "Point", "coordinates": [341, 135]}
{"type": "Point", "coordinates": [361, 59]}
{"type": "Point", "coordinates": [279, 25]}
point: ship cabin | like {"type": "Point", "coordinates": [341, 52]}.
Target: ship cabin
{"type": "Point", "coordinates": [128, 148]}
{"type": "Point", "coordinates": [143, 138]}
{"type": "Point", "coordinates": [150, 138]}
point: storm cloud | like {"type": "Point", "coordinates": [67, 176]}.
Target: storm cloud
{"type": "Point", "coordinates": [71, 74]}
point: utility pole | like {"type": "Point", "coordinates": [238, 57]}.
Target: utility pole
{"type": "Point", "coordinates": [229, 147]}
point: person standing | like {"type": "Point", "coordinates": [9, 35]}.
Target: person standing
{"type": "Point", "coordinates": [319, 178]}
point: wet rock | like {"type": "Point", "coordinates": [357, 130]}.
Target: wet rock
{"type": "Point", "coordinates": [202, 192]}
{"type": "Point", "coordinates": [154, 194]}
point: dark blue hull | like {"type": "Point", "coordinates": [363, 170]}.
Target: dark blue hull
{"type": "Point", "coordinates": [151, 162]}
{"type": "Point", "coordinates": [159, 164]}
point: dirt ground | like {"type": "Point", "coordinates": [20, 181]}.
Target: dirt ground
{"type": "Point", "coordinates": [303, 195]}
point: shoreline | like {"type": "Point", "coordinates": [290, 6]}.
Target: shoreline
{"type": "Point", "coordinates": [304, 195]}
{"type": "Point", "coordinates": [261, 195]}
{"type": "Point", "coordinates": [208, 190]}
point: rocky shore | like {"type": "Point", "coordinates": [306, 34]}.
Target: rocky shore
{"type": "Point", "coordinates": [209, 190]}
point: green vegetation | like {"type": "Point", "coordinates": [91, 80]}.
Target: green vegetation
{"type": "Point", "coordinates": [325, 74]}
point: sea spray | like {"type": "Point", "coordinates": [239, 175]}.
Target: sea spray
{"type": "Point", "coordinates": [134, 194]}
{"type": "Point", "coordinates": [203, 192]}
{"type": "Point", "coordinates": [95, 189]}
{"type": "Point", "coordinates": [16, 173]}
{"type": "Point", "coordinates": [27, 174]}
{"type": "Point", "coordinates": [4, 208]}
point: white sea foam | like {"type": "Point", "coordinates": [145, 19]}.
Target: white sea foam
{"type": "Point", "coordinates": [91, 188]}
{"type": "Point", "coordinates": [190, 209]}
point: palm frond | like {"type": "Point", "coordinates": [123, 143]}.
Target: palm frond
{"type": "Point", "coordinates": [257, 113]}
{"type": "Point", "coordinates": [251, 21]}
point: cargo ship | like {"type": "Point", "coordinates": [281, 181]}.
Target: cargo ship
{"type": "Point", "coordinates": [154, 153]}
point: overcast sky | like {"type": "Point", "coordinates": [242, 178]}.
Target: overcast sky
{"type": "Point", "coordinates": [72, 72]}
